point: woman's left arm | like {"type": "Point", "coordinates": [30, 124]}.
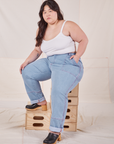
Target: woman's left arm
{"type": "Point", "coordinates": [79, 36]}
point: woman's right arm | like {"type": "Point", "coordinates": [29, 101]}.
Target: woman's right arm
{"type": "Point", "coordinates": [35, 54]}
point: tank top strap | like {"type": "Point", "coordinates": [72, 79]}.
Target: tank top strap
{"type": "Point", "coordinates": [63, 25]}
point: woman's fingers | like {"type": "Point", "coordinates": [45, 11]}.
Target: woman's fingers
{"type": "Point", "coordinates": [71, 56]}
{"type": "Point", "coordinates": [21, 68]}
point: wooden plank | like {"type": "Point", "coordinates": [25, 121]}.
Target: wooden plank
{"type": "Point", "coordinates": [38, 119]}
{"type": "Point", "coordinates": [70, 127]}
{"type": "Point", "coordinates": [72, 100]}
{"type": "Point", "coordinates": [75, 91]}
{"type": "Point", "coordinates": [71, 115]}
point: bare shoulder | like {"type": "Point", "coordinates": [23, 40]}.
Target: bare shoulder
{"type": "Point", "coordinates": [76, 33]}
{"type": "Point", "coordinates": [71, 24]}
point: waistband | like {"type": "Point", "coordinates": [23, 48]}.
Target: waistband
{"type": "Point", "coordinates": [70, 53]}
{"type": "Point", "coordinates": [73, 53]}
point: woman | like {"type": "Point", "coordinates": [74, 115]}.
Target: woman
{"type": "Point", "coordinates": [55, 37]}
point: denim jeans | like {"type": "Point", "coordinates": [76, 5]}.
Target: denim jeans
{"type": "Point", "coordinates": [65, 74]}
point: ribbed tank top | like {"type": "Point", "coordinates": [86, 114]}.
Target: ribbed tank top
{"type": "Point", "coordinates": [60, 44]}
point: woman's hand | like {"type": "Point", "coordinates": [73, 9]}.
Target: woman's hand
{"type": "Point", "coordinates": [22, 66]}
{"type": "Point", "coordinates": [76, 58]}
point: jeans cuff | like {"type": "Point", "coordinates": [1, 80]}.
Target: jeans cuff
{"type": "Point", "coordinates": [56, 129]}
{"type": "Point", "coordinates": [39, 100]}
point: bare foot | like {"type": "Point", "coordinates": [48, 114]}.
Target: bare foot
{"type": "Point", "coordinates": [42, 103]}
{"type": "Point", "coordinates": [55, 132]}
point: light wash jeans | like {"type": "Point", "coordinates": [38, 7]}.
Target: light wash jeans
{"type": "Point", "coordinates": [65, 74]}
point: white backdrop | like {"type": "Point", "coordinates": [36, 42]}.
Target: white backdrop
{"type": "Point", "coordinates": [18, 25]}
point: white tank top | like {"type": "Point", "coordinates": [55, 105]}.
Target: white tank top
{"type": "Point", "coordinates": [60, 44]}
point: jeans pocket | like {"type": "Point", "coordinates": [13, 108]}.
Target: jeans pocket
{"type": "Point", "coordinates": [75, 61]}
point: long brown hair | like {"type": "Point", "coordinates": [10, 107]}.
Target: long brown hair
{"type": "Point", "coordinates": [42, 24]}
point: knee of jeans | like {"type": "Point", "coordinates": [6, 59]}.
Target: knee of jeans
{"type": "Point", "coordinates": [25, 73]}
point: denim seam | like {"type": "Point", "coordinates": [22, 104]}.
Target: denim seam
{"type": "Point", "coordinates": [67, 91]}
{"type": "Point", "coordinates": [63, 115]}
{"type": "Point", "coordinates": [67, 71]}
{"type": "Point", "coordinates": [54, 60]}
{"type": "Point", "coordinates": [61, 119]}
{"type": "Point", "coordinates": [75, 79]}
{"type": "Point", "coordinates": [37, 68]}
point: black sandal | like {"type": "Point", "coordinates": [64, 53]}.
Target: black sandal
{"type": "Point", "coordinates": [36, 106]}
{"type": "Point", "coordinates": [52, 138]}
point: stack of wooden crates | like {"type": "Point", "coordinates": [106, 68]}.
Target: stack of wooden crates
{"type": "Point", "coordinates": [40, 120]}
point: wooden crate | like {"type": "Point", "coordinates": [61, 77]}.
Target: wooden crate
{"type": "Point", "coordinates": [70, 123]}
{"type": "Point", "coordinates": [70, 127]}
{"type": "Point", "coordinates": [75, 91]}
{"type": "Point", "coordinates": [71, 118]}
{"type": "Point", "coordinates": [38, 119]}
{"type": "Point", "coordinates": [73, 100]}
{"type": "Point", "coordinates": [71, 115]}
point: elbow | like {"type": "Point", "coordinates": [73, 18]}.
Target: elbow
{"type": "Point", "coordinates": [86, 40]}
